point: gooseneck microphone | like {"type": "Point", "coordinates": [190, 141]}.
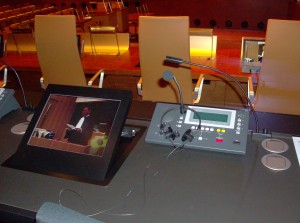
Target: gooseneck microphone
{"type": "Point", "coordinates": [181, 61]}
{"type": "Point", "coordinates": [167, 76]}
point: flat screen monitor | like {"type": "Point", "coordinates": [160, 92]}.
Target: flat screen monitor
{"type": "Point", "coordinates": [74, 133]}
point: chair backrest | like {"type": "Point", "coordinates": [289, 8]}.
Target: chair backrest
{"type": "Point", "coordinates": [278, 85]}
{"type": "Point", "coordinates": [160, 37]}
{"type": "Point", "coordinates": [57, 50]}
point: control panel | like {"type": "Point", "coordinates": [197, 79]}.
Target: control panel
{"type": "Point", "coordinates": [215, 129]}
{"type": "Point", "coordinates": [7, 101]}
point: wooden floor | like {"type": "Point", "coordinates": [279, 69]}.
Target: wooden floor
{"type": "Point", "coordinates": [123, 71]}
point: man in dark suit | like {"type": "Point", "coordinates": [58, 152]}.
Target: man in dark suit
{"type": "Point", "coordinates": [81, 133]}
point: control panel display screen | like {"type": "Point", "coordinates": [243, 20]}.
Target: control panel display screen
{"type": "Point", "coordinates": [211, 117]}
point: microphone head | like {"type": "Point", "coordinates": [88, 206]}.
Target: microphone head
{"type": "Point", "coordinates": [174, 60]}
{"type": "Point", "coordinates": [168, 75]}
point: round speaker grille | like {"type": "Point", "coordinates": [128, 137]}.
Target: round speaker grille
{"type": "Point", "coordinates": [276, 162]}
{"type": "Point", "coordinates": [275, 145]}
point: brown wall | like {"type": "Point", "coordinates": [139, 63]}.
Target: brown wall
{"type": "Point", "coordinates": [57, 113]}
{"type": "Point", "coordinates": [294, 10]}
{"type": "Point", "coordinates": [252, 11]}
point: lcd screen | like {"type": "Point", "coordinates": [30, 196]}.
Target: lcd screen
{"type": "Point", "coordinates": [214, 117]}
{"type": "Point", "coordinates": [75, 124]}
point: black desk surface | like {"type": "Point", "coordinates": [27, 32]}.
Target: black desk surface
{"type": "Point", "coordinates": [191, 186]}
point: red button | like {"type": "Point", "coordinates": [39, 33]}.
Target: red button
{"type": "Point", "coordinates": [219, 140]}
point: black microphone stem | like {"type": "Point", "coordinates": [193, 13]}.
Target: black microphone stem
{"type": "Point", "coordinates": [180, 95]}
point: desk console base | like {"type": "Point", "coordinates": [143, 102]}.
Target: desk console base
{"type": "Point", "coordinates": [221, 130]}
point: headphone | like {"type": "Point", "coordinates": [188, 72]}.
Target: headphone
{"type": "Point", "coordinates": [171, 134]}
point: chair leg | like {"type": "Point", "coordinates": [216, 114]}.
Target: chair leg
{"type": "Point", "coordinates": [16, 43]}
{"type": "Point", "coordinates": [92, 44]}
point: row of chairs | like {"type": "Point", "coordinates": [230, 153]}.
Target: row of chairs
{"type": "Point", "coordinates": [24, 24]}
{"type": "Point", "coordinates": [17, 11]}
{"type": "Point", "coordinates": [278, 82]}
{"type": "Point", "coordinates": [106, 6]}
{"type": "Point", "coordinates": [26, 43]}
{"type": "Point", "coordinates": [59, 60]}
{"type": "Point", "coordinates": [7, 21]}
{"type": "Point", "coordinates": [143, 9]}
{"type": "Point", "coordinates": [62, 57]}
{"type": "Point", "coordinates": [68, 11]}
{"type": "Point", "coordinates": [26, 21]}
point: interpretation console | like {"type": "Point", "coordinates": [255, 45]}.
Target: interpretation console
{"type": "Point", "coordinates": [214, 129]}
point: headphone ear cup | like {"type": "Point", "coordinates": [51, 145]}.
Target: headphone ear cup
{"type": "Point", "coordinates": [168, 132]}
{"type": "Point", "coordinates": [187, 136]}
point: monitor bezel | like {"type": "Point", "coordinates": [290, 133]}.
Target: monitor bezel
{"type": "Point", "coordinates": [75, 166]}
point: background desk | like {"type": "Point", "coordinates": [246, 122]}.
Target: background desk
{"type": "Point", "coordinates": [192, 186]}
